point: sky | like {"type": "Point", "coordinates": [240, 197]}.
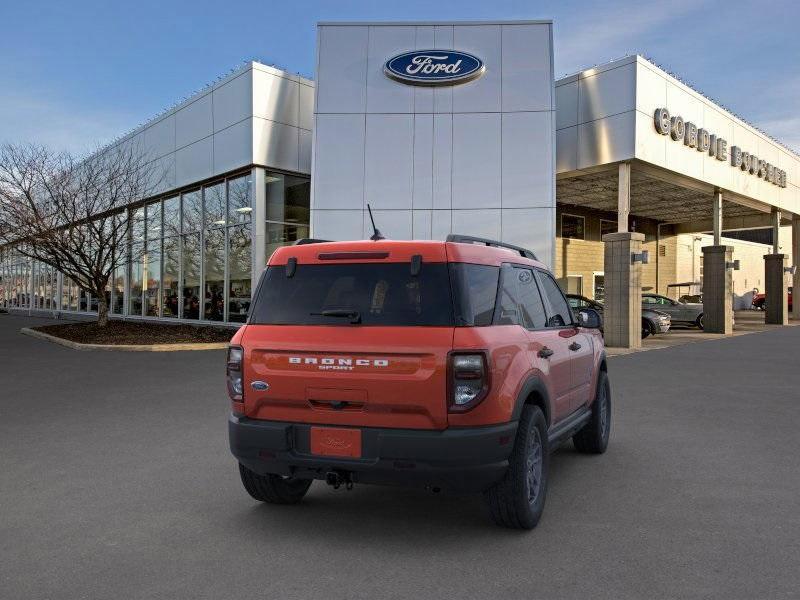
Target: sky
{"type": "Point", "coordinates": [74, 75]}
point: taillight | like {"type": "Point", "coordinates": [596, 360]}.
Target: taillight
{"type": "Point", "coordinates": [234, 373]}
{"type": "Point", "coordinates": [468, 380]}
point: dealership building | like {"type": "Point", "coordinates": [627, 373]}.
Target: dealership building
{"type": "Point", "coordinates": [621, 178]}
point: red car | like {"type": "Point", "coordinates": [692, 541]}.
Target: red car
{"type": "Point", "coordinates": [760, 300]}
{"type": "Point", "coordinates": [453, 364]}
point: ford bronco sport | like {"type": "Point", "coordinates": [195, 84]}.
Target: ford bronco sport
{"type": "Point", "coordinates": [450, 365]}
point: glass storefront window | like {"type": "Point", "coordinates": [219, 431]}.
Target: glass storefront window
{"type": "Point", "coordinates": [215, 213]}
{"type": "Point", "coordinates": [169, 277]}
{"type": "Point", "coordinates": [154, 220]}
{"type": "Point", "coordinates": [191, 276]}
{"type": "Point", "coordinates": [135, 282]}
{"type": "Point", "coordinates": [73, 295]}
{"type": "Point", "coordinates": [214, 264]}
{"type": "Point", "coordinates": [192, 211]}
{"type": "Point", "coordinates": [137, 225]}
{"type": "Point", "coordinates": [288, 198]}
{"type": "Point", "coordinates": [281, 234]}
{"type": "Point", "coordinates": [119, 290]}
{"type": "Point", "coordinates": [38, 286]}
{"type": "Point", "coordinates": [152, 278]}
{"type": "Point", "coordinates": [239, 209]}
{"type": "Point", "coordinates": [239, 273]}
{"type": "Point", "coordinates": [65, 294]}
{"type": "Point", "coordinates": [48, 287]}
{"type": "Point", "coordinates": [172, 216]}
{"type": "Point", "coordinates": [193, 254]}
{"type": "Point", "coordinates": [573, 227]}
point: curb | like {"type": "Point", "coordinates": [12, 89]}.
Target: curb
{"type": "Point", "coordinates": [124, 347]}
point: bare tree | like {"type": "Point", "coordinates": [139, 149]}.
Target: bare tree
{"type": "Point", "coordinates": [70, 213]}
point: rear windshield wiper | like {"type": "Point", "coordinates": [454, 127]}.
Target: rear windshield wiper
{"type": "Point", "coordinates": [342, 313]}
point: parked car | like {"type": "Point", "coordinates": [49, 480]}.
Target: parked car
{"type": "Point", "coordinates": [691, 299]}
{"type": "Point", "coordinates": [653, 321]}
{"type": "Point", "coordinates": [682, 313]}
{"type": "Point", "coordinates": [760, 300]}
{"type": "Point", "coordinates": [453, 365]}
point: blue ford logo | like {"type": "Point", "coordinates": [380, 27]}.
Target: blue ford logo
{"type": "Point", "coordinates": [434, 67]}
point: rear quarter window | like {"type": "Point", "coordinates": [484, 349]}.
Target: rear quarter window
{"type": "Point", "coordinates": [474, 293]}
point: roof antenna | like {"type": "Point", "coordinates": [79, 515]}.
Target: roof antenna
{"type": "Point", "coordinates": [377, 235]}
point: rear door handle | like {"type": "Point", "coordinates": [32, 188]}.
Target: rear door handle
{"type": "Point", "coordinates": [545, 352]}
{"type": "Point", "coordinates": [574, 346]}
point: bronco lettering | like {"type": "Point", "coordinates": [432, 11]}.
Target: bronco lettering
{"type": "Point", "coordinates": [329, 361]}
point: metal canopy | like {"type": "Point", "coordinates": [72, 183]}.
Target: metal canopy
{"type": "Point", "coordinates": [651, 197]}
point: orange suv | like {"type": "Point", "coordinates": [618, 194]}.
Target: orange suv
{"type": "Point", "coordinates": [449, 365]}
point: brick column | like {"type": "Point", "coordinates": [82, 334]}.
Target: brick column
{"type": "Point", "coordinates": [777, 312]}
{"type": "Point", "coordinates": [622, 313]}
{"type": "Point", "coordinates": [717, 290]}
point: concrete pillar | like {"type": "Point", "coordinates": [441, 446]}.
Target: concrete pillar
{"type": "Point", "coordinates": [622, 314]}
{"type": "Point", "coordinates": [623, 197]}
{"type": "Point", "coordinates": [776, 289]}
{"type": "Point", "coordinates": [717, 217]}
{"type": "Point", "coordinates": [258, 227]}
{"type": "Point", "coordinates": [796, 263]}
{"type": "Point", "coordinates": [717, 290]}
{"type": "Point", "coordinates": [776, 231]}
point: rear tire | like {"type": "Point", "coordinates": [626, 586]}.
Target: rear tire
{"type": "Point", "coordinates": [517, 501]}
{"type": "Point", "coordinates": [273, 489]}
{"type": "Point", "coordinates": [593, 438]}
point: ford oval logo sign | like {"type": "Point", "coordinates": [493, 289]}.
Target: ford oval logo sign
{"type": "Point", "coordinates": [434, 67]}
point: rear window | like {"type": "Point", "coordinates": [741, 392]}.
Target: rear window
{"type": "Point", "coordinates": [380, 293]}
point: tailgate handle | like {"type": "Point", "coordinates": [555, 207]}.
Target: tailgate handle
{"type": "Point", "coordinates": [337, 404]}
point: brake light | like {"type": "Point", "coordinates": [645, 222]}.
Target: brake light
{"type": "Point", "coordinates": [468, 380]}
{"type": "Point", "coordinates": [234, 373]}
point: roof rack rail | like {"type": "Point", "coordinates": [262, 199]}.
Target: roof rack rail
{"type": "Point", "coordinates": [468, 239]}
{"type": "Point", "coordinates": [304, 241]}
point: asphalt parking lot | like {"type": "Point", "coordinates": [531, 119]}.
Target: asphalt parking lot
{"type": "Point", "coordinates": [116, 482]}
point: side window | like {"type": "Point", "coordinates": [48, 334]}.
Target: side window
{"type": "Point", "coordinates": [508, 299]}
{"type": "Point", "coordinates": [560, 314]}
{"type": "Point", "coordinates": [649, 300]}
{"type": "Point", "coordinates": [531, 305]}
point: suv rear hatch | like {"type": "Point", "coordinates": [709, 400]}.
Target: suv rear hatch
{"type": "Point", "coordinates": [351, 338]}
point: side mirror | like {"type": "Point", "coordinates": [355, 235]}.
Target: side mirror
{"type": "Point", "coordinates": [589, 318]}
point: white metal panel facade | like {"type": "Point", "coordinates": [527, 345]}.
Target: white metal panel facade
{"type": "Point", "coordinates": [475, 158]}
{"type": "Point", "coordinates": [257, 115]}
{"type": "Point", "coordinates": [606, 115]}
{"type": "Point", "coordinates": [695, 108]}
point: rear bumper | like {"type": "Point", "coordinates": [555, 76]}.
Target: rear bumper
{"type": "Point", "coordinates": [463, 459]}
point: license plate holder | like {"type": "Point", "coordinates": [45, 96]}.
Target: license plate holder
{"type": "Point", "coordinates": [336, 441]}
